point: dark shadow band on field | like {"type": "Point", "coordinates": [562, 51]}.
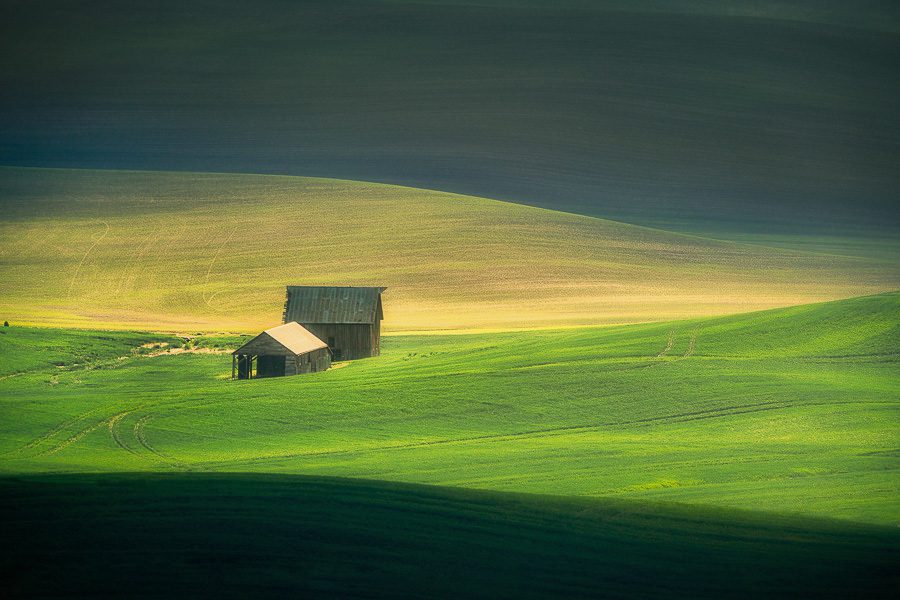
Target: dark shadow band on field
{"type": "Point", "coordinates": [229, 535]}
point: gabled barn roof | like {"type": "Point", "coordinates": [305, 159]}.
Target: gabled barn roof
{"type": "Point", "coordinates": [326, 304]}
{"type": "Point", "coordinates": [292, 336]}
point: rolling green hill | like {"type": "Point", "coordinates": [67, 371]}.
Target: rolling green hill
{"type": "Point", "coordinates": [644, 342]}
{"type": "Point", "coordinates": [206, 252]}
{"type": "Point", "coordinates": [792, 410]}
{"type": "Point", "coordinates": [713, 116]}
{"type": "Point", "coordinates": [240, 535]}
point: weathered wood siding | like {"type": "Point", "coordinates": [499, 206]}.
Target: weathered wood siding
{"type": "Point", "coordinates": [264, 346]}
{"type": "Point", "coordinates": [347, 318]}
{"type": "Point", "coordinates": [311, 362]}
{"type": "Point", "coordinates": [350, 340]}
{"type": "Point", "coordinates": [291, 365]}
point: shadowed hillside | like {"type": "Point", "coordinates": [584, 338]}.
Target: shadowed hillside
{"type": "Point", "coordinates": [191, 252]}
{"type": "Point", "coordinates": [711, 117]}
{"type": "Point", "coordinates": [238, 535]}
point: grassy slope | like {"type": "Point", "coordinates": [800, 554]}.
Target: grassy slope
{"type": "Point", "coordinates": [203, 251]}
{"type": "Point", "coordinates": [245, 535]}
{"type": "Point", "coordinates": [713, 116]}
{"type": "Point", "coordinates": [26, 350]}
{"type": "Point", "coordinates": [793, 410]}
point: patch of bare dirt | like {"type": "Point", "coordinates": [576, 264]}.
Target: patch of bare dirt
{"type": "Point", "coordinates": [167, 351]}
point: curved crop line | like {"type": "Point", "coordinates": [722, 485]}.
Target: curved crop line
{"type": "Point", "coordinates": [134, 263]}
{"type": "Point", "coordinates": [74, 438]}
{"type": "Point", "coordinates": [212, 263]}
{"type": "Point", "coordinates": [53, 432]}
{"type": "Point", "coordinates": [692, 346]}
{"type": "Point", "coordinates": [115, 433]}
{"type": "Point", "coordinates": [712, 413]}
{"type": "Point", "coordinates": [669, 343]}
{"type": "Point", "coordinates": [209, 299]}
{"type": "Point", "coordinates": [83, 258]}
{"type": "Point", "coordinates": [141, 436]}
{"type": "Point", "coordinates": [151, 278]}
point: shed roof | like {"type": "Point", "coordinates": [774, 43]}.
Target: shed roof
{"type": "Point", "coordinates": [331, 304]}
{"type": "Point", "coordinates": [293, 336]}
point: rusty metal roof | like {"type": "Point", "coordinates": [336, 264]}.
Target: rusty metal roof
{"type": "Point", "coordinates": [293, 336]}
{"type": "Point", "coordinates": [328, 304]}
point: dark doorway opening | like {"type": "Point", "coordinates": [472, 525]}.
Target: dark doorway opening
{"type": "Point", "coordinates": [335, 352]}
{"type": "Point", "coordinates": [270, 366]}
{"type": "Point", "coordinates": [243, 367]}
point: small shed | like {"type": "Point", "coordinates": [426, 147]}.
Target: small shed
{"type": "Point", "coordinates": [288, 349]}
{"type": "Point", "coordinates": [347, 318]}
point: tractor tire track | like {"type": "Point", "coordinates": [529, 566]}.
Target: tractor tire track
{"type": "Point", "coordinates": [160, 254]}
{"type": "Point", "coordinates": [116, 435]}
{"type": "Point", "coordinates": [134, 263]}
{"type": "Point", "coordinates": [692, 345]}
{"type": "Point", "coordinates": [84, 258]}
{"type": "Point", "coordinates": [68, 442]}
{"type": "Point", "coordinates": [55, 431]}
{"type": "Point", "coordinates": [669, 343]}
{"type": "Point", "coordinates": [713, 413]}
{"type": "Point", "coordinates": [141, 436]}
{"type": "Point", "coordinates": [208, 299]}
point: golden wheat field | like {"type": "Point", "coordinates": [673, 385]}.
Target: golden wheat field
{"type": "Point", "coordinates": [187, 251]}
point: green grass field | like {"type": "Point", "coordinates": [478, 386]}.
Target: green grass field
{"type": "Point", "coordinates": [642, 343]}
{"type": "Point", "coordinates": [721, 457]}
{"type": "Point", "coordinates": [203, 252]}
{"type": "Point", "coordinates": [792, 410]}
{"type": "Point", "coordinates": [566, 452]}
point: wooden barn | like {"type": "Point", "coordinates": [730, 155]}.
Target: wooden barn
{"type": "Point", "coordinates": [288, 349]}
{"type": "Point", "coordinates": [347, 318]}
